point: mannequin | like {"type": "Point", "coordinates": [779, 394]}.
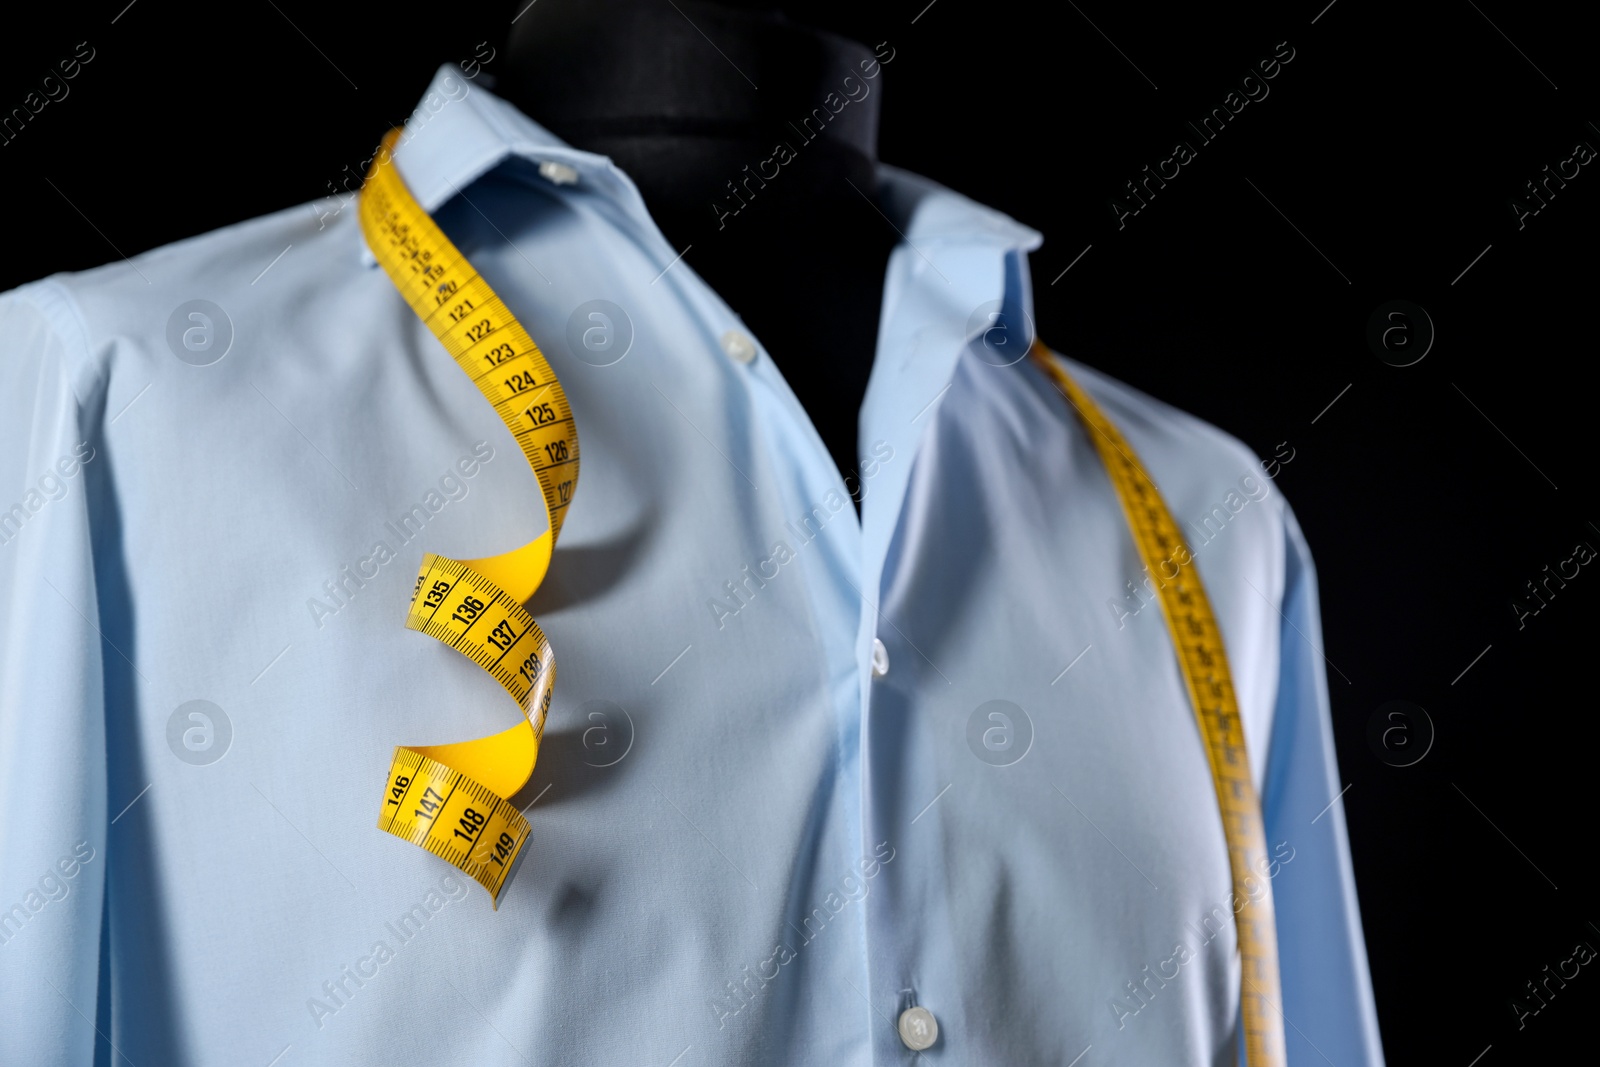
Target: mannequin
{"type": "Point", "coordinates": [800, 255]}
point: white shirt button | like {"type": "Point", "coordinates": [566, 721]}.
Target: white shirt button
{"type": "Point", "coordinates": [880, 659]}
{"type": "Point", "coordinates": [738, 346]}
{"type": "Point", "coordinates": [558, 173]}
{"type": "Point", "coordinates": [918, 1028]}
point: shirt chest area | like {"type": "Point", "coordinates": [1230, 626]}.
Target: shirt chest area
{"type": "Point", "coordinates": [712, 574]}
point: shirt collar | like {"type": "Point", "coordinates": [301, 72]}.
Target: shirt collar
{"type": "Point", "coordinates": [959, 262]}
{"type": "Point", "coordinates": [460, 131]}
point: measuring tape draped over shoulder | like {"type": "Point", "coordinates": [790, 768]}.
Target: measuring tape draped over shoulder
{"type": "Point", "coordinates": [1204, 664]}
{"type": "Point", "coordinates": [453, 800]}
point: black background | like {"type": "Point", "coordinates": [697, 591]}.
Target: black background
{"type": "Point", "coordinates": [1395, 141]}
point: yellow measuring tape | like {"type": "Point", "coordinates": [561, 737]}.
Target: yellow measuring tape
{"type": "Point", "coordinates": [453, 800]}
{"type": "Point", "coordinates": [1204, 664]}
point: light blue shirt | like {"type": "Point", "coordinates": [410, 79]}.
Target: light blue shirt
{"type": "Point", "coordinates": [748, 846]}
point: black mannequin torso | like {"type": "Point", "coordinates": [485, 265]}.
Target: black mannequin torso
{"type": "Point", "coordinates": [800, 253]}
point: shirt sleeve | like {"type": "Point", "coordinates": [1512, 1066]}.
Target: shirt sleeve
{"type": "Point", "coordinates": [1327, 992]}
{"type": "Point", "coordinates": [52, 727]}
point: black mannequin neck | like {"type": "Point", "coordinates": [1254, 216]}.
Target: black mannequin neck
{"type": "Point", "coordinates": [787, 235]}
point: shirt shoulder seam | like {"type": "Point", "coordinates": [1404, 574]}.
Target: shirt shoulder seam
{"type": "Point", "coordinates": [60, 309]}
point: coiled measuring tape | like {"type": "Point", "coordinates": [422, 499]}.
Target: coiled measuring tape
{"type": "Point", "coordinates": [1198, 642]}
{"type": "Point", "coordinates": [453, 800]}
